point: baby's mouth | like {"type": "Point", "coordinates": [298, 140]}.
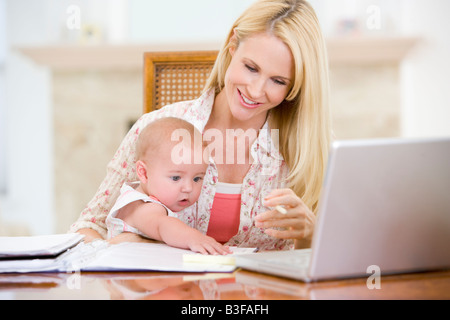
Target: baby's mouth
{"type": "Point", "coordinates": [184, 202]}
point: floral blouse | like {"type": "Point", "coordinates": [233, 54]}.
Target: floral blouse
{"type": "Point", "coordinates": [268, 171]}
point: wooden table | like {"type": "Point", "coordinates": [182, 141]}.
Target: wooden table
{"type": "Point", "coordinates": [241, 285]}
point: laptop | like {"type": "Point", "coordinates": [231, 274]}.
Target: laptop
{"type": "Point", "coordinates": [385, 207]}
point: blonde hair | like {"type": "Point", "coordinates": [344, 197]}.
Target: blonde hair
{"type": "Point", "coordinates": [303, 118]}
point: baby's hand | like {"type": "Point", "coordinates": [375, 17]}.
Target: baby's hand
{"type": "Point", "coordinates": [207, 245]}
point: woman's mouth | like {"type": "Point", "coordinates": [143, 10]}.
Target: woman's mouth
{"type": "Point", "coordinates": [246, 102]}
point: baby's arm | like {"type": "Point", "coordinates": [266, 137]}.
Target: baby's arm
{"type": "Point", "coordinates": [153, 221]}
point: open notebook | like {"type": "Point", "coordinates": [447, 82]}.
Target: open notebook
{"type": "Point", "coordinates": [101, 256]}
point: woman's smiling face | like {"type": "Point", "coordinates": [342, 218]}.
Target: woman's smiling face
{"type": "Point", "coordinates": [259, 77]}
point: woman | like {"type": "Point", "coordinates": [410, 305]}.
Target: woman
{"type": "Point", "coordinates": [270, 76]}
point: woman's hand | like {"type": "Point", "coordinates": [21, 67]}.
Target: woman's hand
{"type": "Point", "coordinates": [298, 223]}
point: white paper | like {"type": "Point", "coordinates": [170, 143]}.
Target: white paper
{"type": "Point", "coordinates": [151, 257]}
{"type": "Point", "coordinates": [47, 245]}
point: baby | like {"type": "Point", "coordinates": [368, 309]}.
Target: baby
{"type": "Point", "coordinates": [170, 179]}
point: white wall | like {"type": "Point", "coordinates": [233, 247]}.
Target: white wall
{"type": "Point", "coordinates": [29, 197]}
{"type": "Point", "coordinates": [425, 94]}
{"type": "Point", "coordinates": [426, 72]}
{"type": "Point", "coordinates": [184, 21]}
{"type": "Point", "coordinates": [3, 164]}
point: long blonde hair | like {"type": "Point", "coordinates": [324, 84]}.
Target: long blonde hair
{"type": "Point", "coordinates": [303, 118]}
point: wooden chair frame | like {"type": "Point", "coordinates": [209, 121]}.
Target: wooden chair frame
{"type": "Point", "coordinates": [187, 86]}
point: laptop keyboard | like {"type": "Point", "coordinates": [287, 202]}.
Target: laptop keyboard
{"type": "Point", "coordinates": [298, 259]}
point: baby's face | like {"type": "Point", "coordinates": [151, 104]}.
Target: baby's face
{"type": "Point", "coordinates": [177, 185]}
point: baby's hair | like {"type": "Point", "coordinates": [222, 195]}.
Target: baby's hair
{"type": "Point", "coordinates": [160, 132]}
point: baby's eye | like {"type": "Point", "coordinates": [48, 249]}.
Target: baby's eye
{"type": "Point", "coordinates": [197, 179]}
{"type": "Point", "coordinates": [175, 178]}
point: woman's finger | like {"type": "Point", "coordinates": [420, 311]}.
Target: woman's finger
{"type": "Point", "coordinates": [275, 214]}
{"type": "Point", "coordinates": [271, 215]}
{"type": "Point", "coordinates": [290, 200]}
{"type": "Point", "coordinates": [280, 223]}
{"type": "Point", "coordinates": [285, 234]}
{"type": "Point", "coordinates": [278, 192]}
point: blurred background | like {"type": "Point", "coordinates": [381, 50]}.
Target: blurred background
{"type": "Point", "coordinates": [71, 84]}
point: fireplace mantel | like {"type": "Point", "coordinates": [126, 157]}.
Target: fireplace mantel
{"type": "Point", "coordinates": [341, 50]}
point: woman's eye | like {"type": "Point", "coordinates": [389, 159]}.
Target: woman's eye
{"type": "Point", "coordinates": [175, 178]}
{"type": "Point", "coordinates": [279, 82]}
{"type": "Point", "coordinates": [250, 68]}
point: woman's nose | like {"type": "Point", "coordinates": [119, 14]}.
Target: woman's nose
{"type": "Point", "coordinates": [256, 88]}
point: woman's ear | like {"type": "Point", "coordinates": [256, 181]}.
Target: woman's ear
{"type": "Point", "coordinates": [141, 171]}
{"type": "Point", "coordinates": [233, 43]}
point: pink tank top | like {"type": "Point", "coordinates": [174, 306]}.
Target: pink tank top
{"type": "Point", "coordinates": [225, 212]}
